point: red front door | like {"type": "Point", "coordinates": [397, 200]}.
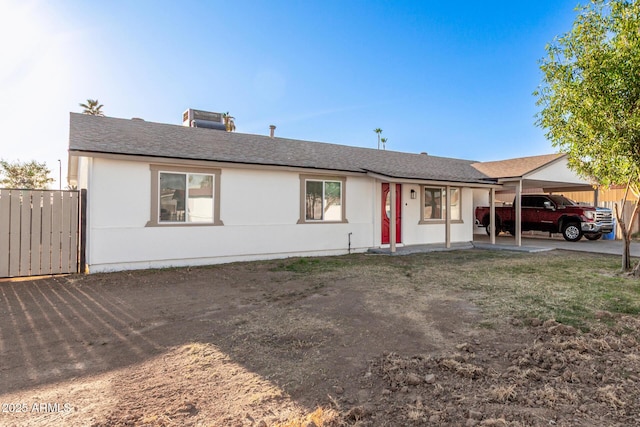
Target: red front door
{"type": "Point", "coordinates": [386, 212]}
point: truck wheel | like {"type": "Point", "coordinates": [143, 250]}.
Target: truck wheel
{"type": "Point", "coordinates": [595, 236]}
{"type": "Point", "coordinates": [488, 228]}
{"type": "Point", "coordinates": [571, 231]}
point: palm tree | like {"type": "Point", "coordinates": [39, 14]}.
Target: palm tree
{"type": "Point", "coordinates": [384, 141]}
{"type": "Point", "coordinates": [92, 108]}
{"type": "Point", "coordinates": [229, 123]}
{"type": "Point", "coordinates": [378, 131]}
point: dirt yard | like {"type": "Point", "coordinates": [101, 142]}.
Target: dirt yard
{"type": "Point", "coordinates": [362, 340]}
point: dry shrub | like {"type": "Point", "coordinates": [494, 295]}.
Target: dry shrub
{"type": "Point", "coordinates": [632, 357]}
{"type": "Point", "coordinates": [415, 414]}
{"type": "Point", "coordinates": [391, 363]}
{"type": "Point", "coordinates": [495, 422]}
{"type": "Point", "coordinates": [609, 396]}
{"type": "Point", "coordinates": [600, 345]}
{"type": "Point", "coordinates": [547, 394]}
{"type": "Point", "coordinates": [528, 374]}
{"type": "Point", "coordinates": [577, 356]}
{"type": "Point", "coordinates": [569, 396]}
{"type": "Point", "coordinates": [552, 396]}
{"type": "Point", "coordinates": [503, 394]}
{"type": "Point", "coordinates": [570, 376]}
{"type": "Point", "coordinates": [578, 344]}
{"type": "Point", "coordinates": [466, 370]}
{"type": "Point", "coordinates": [320, 417]}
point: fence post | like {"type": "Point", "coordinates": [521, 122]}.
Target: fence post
{"type": "Point", "coordinates": [83, 231]}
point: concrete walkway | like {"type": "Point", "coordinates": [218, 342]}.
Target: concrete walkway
{"type": "Point", "coordinates": [417, 249]}
{"type": "Point", "coordinates": [530, 243]}
{"type": "Point", "coordinates": [612, 247]}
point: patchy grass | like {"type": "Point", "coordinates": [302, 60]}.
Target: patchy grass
{"type": "Point", "coordinates": [313, 265]}
{"type": "Point", "coordinates": [358, 340]}
{"type": "Point", "coordinates": [570, 287]}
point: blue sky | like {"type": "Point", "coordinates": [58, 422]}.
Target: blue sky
{"type": "Point", "coordinates": [453, 79]}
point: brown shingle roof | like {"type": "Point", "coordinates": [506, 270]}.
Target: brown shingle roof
{"type": "Point", "coordinates": [142, 138]}
{"type": "Point", "coordinates": [515, 167]}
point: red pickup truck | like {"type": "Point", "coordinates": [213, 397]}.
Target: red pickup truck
{"type": "Point", "coordinates": [552, 213]}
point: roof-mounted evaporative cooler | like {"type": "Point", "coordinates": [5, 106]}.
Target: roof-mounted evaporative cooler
{"type": "Point", "coordinates": [203, 119]}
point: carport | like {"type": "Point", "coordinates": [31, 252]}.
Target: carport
{"type": "Point", "coordinates": [548, 173]}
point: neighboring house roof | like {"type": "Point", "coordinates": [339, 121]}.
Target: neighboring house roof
{"type": "Point", "coordinates": [513, 168]}
{"type": "Point", "coordinates": [141, 138]}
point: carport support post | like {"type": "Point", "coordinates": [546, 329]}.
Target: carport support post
{"type": "Point", "coordinates": [447, 227]}
{"type": "Point", "coordinates": [392, 220]}
{"type": "Point", "coordinates": [518, 207]}
{"type": "Point", "coordinates": [492, 215]}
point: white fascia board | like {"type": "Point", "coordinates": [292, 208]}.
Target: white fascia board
{"type": "Point", "coordinates": [546, 165]}
{"type": "Point", "coordinates": [386, 178]}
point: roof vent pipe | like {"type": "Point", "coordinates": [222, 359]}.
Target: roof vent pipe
{"type": "Point", "coordinates": [272, 130]}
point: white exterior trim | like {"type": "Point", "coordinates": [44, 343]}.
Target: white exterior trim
{"type": "Point", "coordinates": [385, 178]}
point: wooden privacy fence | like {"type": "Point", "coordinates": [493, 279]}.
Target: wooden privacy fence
{"type": "Point", "coordinates": [40, 232]}
{"type": "Point", "coordinates": [628, 210]}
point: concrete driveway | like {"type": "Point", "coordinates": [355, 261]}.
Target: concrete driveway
{"type": "Point", "coordinates": [533, 243]}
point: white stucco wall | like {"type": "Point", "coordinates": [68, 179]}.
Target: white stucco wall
{"type": "Point", "coordinates": [414, 233]}
{"type": "Point", "coordinates": [558, 171]}
{"type": "Point", "coordinates": [259, 209]}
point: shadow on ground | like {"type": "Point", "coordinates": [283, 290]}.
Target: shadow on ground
{"type": "Point", "coordinates": [311, 334]}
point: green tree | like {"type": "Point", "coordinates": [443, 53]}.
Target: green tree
{"type": "Point", "coordinates": [92, 107]}
{"type": "Point", "coordinates": [384, 143]}
{"type": "Point", "coordinates": [378, 131]}
{"type": "Point", "coordinates": [590, 99]}
{"type": "Point", "coordinates": [29, 175]}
